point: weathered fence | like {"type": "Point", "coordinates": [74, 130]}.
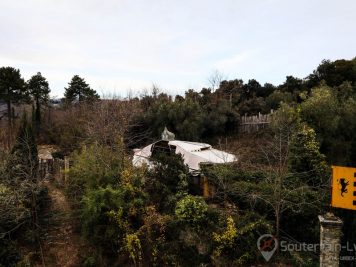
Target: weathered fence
{"type": "Point", "coordinates": [45, 167]}
{"type": "Point", "coordinates": [57, 168]}
{"type": "Point", "coordinates": [254, 123]}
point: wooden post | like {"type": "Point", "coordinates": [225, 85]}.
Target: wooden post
{"type": "Point", "coordinates": [205, 184]}
{"type": "Point", "coordinates": [66, 168]}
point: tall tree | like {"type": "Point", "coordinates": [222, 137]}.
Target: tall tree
{"type": "Point", "coordinates": [333, 73]}
{"type": "Point", "coordinates": [79, 90]}
{"type": "Point", "coordinates": [39, 90]}
{"type": "Point", "coordinates": [12, 90]}
{"type": "Point", "coordinates": [291, 85]}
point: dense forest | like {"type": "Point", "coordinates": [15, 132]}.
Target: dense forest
{"type": "Point", "coordinates": [123, 215]}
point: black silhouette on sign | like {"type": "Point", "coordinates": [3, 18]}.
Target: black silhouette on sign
{"type": "Point", "coordinates": [343, 184]}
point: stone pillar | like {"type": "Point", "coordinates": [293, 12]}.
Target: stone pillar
{"type": "Point", "coordinates": [330, 233]}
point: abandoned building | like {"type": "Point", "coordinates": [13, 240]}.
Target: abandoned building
{"type": "Point", "coordinates": [194, 155]}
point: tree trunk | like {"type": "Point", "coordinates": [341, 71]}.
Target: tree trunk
{"type": "Point", "coordinates": [277, 225]}
{"type": "Point", "coordinates": [230, 100]}
{"type": "Point", "coordinates": [9, 121]}
{"type": "Point", "coordinates": [38, 114]}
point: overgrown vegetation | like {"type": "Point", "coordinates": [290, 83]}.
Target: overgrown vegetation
{"type": "Point", "coordinates": [21, 196]}
{"type": "Point", "coordinates": [154, 216]}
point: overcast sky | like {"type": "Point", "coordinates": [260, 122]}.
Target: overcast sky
{"type": "Point", "coordinates": [118, 45]}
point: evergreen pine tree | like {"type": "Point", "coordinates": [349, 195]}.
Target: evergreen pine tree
{"type": "Point", "coordinates": [79, 91]}
{"type": "Point", "coordinates": [39, 90]}
{"type": "Point", "coordinates": [12, 91]}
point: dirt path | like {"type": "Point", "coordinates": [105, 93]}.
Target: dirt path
{"type": "Point", "coordinates": [61, 244]}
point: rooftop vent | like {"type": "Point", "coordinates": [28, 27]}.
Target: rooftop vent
{"type": "Point", "coordinates": [167, 135]}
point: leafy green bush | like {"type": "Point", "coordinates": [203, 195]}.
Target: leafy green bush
{"type": "Point", "coordinates": [104, 215]}
{"type": "Point", "coordinates": [167, 181]}
{"type": "Point", "coordinates": [93, 166]}
{"type": "Point", "coordinates": [305, 159]}
{"type": "Point", "coordinates": [192, 210]}
{"type": "Point", "coordinates": [235, 244]}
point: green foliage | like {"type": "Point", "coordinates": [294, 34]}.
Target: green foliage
{"type": "Point", "coordinates": [112, 202]}
{"type": "Point", "coordinates": [187, 113]}
{"type": "Point", "coordinates": [292, 85]}
{"type": "Point", "coordinates": [274, 188]}
{"type": "Point", "coordinates": [191, 210]}
{"type": "Point", "coordinates": [330, 112]}
{"type": "Point", "coordinates": [182, 186]}
{"type": "Point", "coordinates": [94, 166]}
{"type": "Point", "coordinates": [136, 216]}
{"type": "Point", "coordinates": [334, 73]}
{"type": "Point", "coordinates": [168, 168]}
{"type": "Point", "coordinates": [189, 119]}
{"type": "Point", "coordinates": [96, 219]}
{"type": "Point", "coordinates": [222, 178]}
{"type": "Point", "coordinates": [134, 248]}
{"type": "Point", "coordinates": [13, 210]}
{"type": "Point", "coordinates": [321, 110]}
{"type": "Point", "coordinates": [167, 180]}
{"type": "Point", "coordinates": [79, 90]}
{"type": "Point", "coordinates": [20, 199]}
{"type": "Point", "coordinates": [228, 173]}
{"type": "Point", "coordinates": [234, 244]}
{"type": "Point", "coordinates": [274, 100]}
{"type": "Point", "coordinates": [12, 85]}
{"type": "Point", "coordinates": [90, 261]}
{"type": "Point", "coordinates": [39, 90]}
{"type": "Point", "coordinates": [285, 121]}
{"type": "Point", "coordinates": [219, 119]}
{"type": "Point", "coordinates": [155, 238]}
{"type": "Point", "coordinates": [109, 214]}
{"type": "Point", "coordinates": [12, 91]}
{"type": "Point", "coordinates": [253, 106]}
{"type": "Point", "coordinates": [305, 158]}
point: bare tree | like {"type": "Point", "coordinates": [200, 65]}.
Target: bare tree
{"type": "Point", "coordinates": [215, 78]}
{"type": "Point", "coordinates": [111, 120]}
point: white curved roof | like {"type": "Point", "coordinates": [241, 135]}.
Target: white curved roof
{"type": "Point", "coordinates": [193, 154]}
{"type": "Point", "coordinates": [189, 146]}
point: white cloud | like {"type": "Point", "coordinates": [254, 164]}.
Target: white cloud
{"type": "Point", "coordinates": [236, 60]}
{"type": "Point", "coordinates": [131, 43]}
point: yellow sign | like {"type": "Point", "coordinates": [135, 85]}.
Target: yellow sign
{"type": "Point", "coordinates": [344, 188]}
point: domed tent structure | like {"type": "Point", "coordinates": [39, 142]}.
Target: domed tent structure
{"type": "Point", "coordinates": [194, 154]}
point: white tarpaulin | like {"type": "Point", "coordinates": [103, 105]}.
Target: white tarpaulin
{"type": "Point", "coordinates": [193, 154]}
